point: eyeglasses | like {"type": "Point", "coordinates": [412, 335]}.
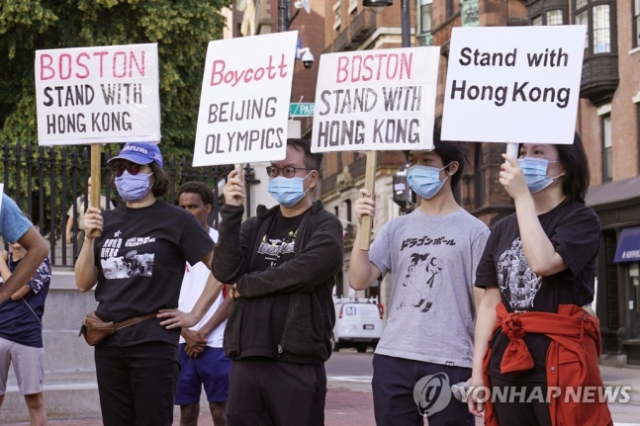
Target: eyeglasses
{"type": "Point", "coordinates": [287, 172]}
{"type": "Point", "coordinates": [132, 168]}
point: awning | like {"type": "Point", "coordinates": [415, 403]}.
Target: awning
{"type": "Point", "coordinates": [628, 249]}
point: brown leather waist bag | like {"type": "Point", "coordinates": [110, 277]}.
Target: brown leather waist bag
{"type": "Point", "coordinates": [95, 330]}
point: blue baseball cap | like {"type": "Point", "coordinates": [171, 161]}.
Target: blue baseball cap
{"type": "Point", "coordinates": [140, 153]}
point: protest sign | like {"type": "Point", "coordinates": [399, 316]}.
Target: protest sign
{"type": "Point", "coordinates": [244, 106]}
{"type": "Point", "coordinates": [513, 85]}
{"type": "Point", "coordinates": [376, 100]}
{"type": "Point", "coordinates": [98, 94]}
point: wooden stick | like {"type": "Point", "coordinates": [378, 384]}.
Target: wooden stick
{"type": "Point", "coordinates": [369, 185]}
{"type": "Point", "coordinates": [95, 180]}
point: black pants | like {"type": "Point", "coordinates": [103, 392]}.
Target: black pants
{"type": "Point", "coordinates": [393, 385]}
{"type": "Point", "coordinates": [276, 393]}
{"type": "Point", "coordinates": [513, 408]}
{"type": "Point", "coordinates": [137, 383]}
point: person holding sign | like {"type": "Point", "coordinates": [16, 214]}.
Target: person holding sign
{"type": "Point", "coordinates": [284, 262]}
{"type": "Point", "coordinates": [538, 270]}
{"type": "Point", "coordinates": [433, 253]}
{"type": "Point", "coordinates": [138, 263]}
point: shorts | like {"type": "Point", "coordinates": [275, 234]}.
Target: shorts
{"type": "Point", "coordinates": [28, 364]}
{"type": "Point", "coordinates": [210, 368]}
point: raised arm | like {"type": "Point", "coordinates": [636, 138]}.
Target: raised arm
{"type": "Point", "coordinates": [362, 273]}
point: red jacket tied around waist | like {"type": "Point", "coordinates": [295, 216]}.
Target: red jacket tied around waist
{"type": "Point", "coordinates": [572, 362]}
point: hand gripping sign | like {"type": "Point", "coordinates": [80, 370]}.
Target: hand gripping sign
{"type": "Point", "coordinates": [513, 85]}
{"type": "Point", "coordinates": [96, 95]}
{"type": "Point", "coordinates": [375, 100]}
{"type": "Point", "coordinates": [244, 107]}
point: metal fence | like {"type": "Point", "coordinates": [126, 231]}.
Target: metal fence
{"type": "Point", "coordinates": [46, 181]}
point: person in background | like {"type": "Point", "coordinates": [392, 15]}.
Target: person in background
{"type": "Point", "coordinates": [81, 207]}
{"type": "Point", "coordinates": [433, 253]}
{"type": "Point", "coordinates": [21, 333]}
{"type": "Point", "coordinates": [137, 367]}
{"type": "Point", "coordinates": [537, 270]}
{"type": "Point", "coordinates": [202, 359]}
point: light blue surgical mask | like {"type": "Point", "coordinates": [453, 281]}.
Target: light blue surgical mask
{"type": "Point", "coordinates": [133, 187]}
{"type": "Point", "coordinates": [287, 191]}
{"type": "Point", "coordinates": [535, 172]}
{"type": "Point", "coordinates": [425, 180]}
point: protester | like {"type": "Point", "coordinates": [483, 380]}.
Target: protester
{"type": "Point", "coordinates": [538, 270]}
{"type": "Point", "coordinates": [138, 263]}
{"type": "Point", "coordinates": [81, 207]}
{"type": "Point", "coordinates": [433, 253]}
{"type": "Point", "coordinates": [15, 227]}
{"type": "Point", "coordinates": [284, 262]}
{"type": "Point", "coordinates": [202, 359]}
{"type": "Point", "coordinates": [21, 332]}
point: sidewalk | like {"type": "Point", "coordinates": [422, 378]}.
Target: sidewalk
{"type": "Point", "coordinates": [344, 408]}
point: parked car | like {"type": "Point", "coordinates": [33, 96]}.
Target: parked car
{"type": "Point", "coordinates": [359, 324]}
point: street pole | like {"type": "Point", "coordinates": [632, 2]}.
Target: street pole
{"type": "Point", "coordinates": [283, 15]}
{"type": "Point", "coordinates": [406, 23]}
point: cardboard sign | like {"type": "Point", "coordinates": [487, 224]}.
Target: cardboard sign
{"type": "Point", "coordinates": [376, 100]}
{"type": "Point", "coordinates": [244, 107]}
{"type": "Point", "coordinates": [515, 85]}
{"type": "Point", "coordinates": [98, 95]}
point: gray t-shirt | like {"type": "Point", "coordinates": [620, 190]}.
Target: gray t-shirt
{"type": "Point", "coordinates": [434, 261]}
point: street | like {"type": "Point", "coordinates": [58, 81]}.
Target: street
{"type": "Point", "coordinates": [349, 400]}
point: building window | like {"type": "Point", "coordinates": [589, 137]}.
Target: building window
{"type": "Point", "coordinates": [554, 17]}
{"type": "Point", "coordinates": [607, 157]}
{"type": "Point", "coordinates": [337, 16]}
{"type": "Point", "coordinates": [636, 23]}
{"type": "Point", "coordinates": [425, 16]}
{"type": "Point", "coordinates": [449, 8]}
{"type": "Point", "coordinates": [597, 16]}
{"type": "Point", "coordinates": [537, 21]}
{"type": "Point", "coordinates": [601, 29]}
{"type": "Point", "coordinates": [353, 6]}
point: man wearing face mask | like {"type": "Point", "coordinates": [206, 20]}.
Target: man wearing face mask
{"type": "Point", "coordinates": [284, 262]}
{"type": "Point", "coordinates": [433, 253]}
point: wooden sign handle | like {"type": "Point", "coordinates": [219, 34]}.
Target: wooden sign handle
{"type": "Point", "coordinates": [369, 185]}
{"type": "Point", "coordinates": [95, 181]}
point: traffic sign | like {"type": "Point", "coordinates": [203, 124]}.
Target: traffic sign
{"type": "Point", "coordinates": [302, 109]}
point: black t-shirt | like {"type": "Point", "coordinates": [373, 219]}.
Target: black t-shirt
{"type": "Point", "coordinates": [141, 257]}
{"type": "Point", "coordinates": [574, 231]}
{"type": "Point", "coordinates": [276, 248]}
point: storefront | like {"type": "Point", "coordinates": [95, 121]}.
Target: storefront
{"type": "Point", "coordinates": [618, 300]}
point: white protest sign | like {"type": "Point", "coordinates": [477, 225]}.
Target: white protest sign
{"type": "Point", "coordinates": [508, 84]}
{"type": "Point", "coordinates": [244, 107]}
{"type": "Point", "coordinates": [376, 100]}
{"type": "Point", "coordinates": [98, 94]}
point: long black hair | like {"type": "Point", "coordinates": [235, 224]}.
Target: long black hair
{"type": "Point", "coordinates": [576, 165]}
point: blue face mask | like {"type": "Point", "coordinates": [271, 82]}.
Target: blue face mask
{"type": "Point", "coordinates": [133, 187]}
{"type": "Point", "coordinates": [425, 180]}
{"type": "Point", "coordinates": [535, 172]}
{"type": "Point", "coordinates": [287, 191]}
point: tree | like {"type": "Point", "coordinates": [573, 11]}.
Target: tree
{"type": "Point", "coordinates": [182, 29]}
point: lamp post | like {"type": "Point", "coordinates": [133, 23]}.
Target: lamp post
{"type": "Point", "coordinates": [283, 16]}
{"type": "Point", "coordinates": [377, 6]}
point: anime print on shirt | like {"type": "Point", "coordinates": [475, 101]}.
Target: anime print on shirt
{"type": "Point", "coordinates": [423, 280]}
{"type": "Point", "coordinates": [120, 260]}
{"type": "Point", "coordinates": [517, 282]}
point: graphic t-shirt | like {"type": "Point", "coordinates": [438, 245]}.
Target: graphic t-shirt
{"type": "Point", "coordinates": [574, 231]}
{"type": "Point", "coordinates": [193, 284]}
{"type": "Point", "coordinates": [431, 310]}
{"type": "Point", "coordinates": [18, 321]}
{"type": "Point", "coordinates": [141, 257]}
{"type": "Point", "coordinates": [276, 248]}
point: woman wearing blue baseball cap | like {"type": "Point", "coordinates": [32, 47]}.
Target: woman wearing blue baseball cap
{"type": "Point", "coordinates": [138, 263]}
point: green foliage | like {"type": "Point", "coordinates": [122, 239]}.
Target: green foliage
{"type": "Point", "coordinates": [182, 29]}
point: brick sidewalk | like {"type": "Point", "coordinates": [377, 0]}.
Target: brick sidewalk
{"type": "Point", "coordinates": [343, 408]}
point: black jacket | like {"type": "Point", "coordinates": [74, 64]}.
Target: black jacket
{"type": "Point", "coordinates": [309, 277]}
